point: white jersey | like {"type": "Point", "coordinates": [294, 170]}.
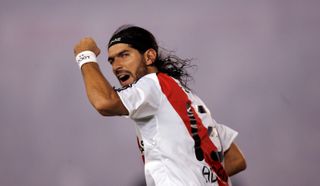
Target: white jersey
{"type": "Point", "coordinates": [180, 142]}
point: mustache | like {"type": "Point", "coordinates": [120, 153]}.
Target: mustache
{"type": "Point", "coordinates": [121, 71]}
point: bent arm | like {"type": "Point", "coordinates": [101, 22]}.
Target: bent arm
{"type": "Point", "coordinates": [234, 161]}
{"type": "Point", "coordinates": [100, 93]}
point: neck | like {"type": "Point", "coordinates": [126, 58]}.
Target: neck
{"type": "Point", "coordinates": [152, 69]}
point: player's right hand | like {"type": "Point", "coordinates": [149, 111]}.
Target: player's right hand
{"type": "Point", "coordinates": [84, 44]}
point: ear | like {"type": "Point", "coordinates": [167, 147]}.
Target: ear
{"type": "Point", "coordinates": [150, 56]}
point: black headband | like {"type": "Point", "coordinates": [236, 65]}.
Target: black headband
{"type": "Point", "coordinates": [121, 39]}
{"type": "Point", "coordinates": [136, 37]}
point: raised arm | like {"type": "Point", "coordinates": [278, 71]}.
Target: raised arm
{"type": "Point", "coordinates": [99, 91]}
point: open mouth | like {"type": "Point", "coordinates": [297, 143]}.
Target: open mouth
{"type": "Point", "coordinates": [123, 77]}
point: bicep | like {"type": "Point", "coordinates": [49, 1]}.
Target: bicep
{"type": "Point", "coordinates": [113, 107]}
{"type": "Point", "coordinates": [234, 160]}
{"type": "Point", "coordinates": [101, 94]}
{"type": "Point", "coordinates": [233, 153]}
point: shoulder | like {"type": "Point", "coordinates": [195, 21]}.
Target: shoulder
{"type": "Point", "coordinates": [143, 97]}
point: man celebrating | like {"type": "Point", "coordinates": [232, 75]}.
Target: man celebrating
{"type": "Point", "coordinates": [180, 142]}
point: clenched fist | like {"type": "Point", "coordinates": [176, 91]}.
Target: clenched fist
{"type": "Point", "coordinates": [86, 43]}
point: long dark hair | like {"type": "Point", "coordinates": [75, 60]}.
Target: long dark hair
{"type": "Point", "coordinates": [176, 67]}
{"type": "Point", "coordinates": [166, 62]}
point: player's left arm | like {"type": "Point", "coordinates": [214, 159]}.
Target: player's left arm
{"type": "Point", "coordinates": [234, 161]}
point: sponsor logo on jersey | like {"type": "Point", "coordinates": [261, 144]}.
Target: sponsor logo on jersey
{"type": "Point", "coordinates": [209, 175]}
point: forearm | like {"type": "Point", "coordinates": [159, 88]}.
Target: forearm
{"type": "Point", "coordinates": [99, 91]}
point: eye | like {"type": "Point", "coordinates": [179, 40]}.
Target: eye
{"type": "Point", "coordinates": [111, 61]}
{"type": "Point", "coordinates": [124, 54]}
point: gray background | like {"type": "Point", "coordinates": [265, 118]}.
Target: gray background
{"type": "Point", "coordinates": [258, 72]}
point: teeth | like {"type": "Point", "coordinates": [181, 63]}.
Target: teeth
{"type": "Point", "coordinates": [123, 77]}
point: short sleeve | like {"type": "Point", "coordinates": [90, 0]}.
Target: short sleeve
{"type": "Point", "coordinates": [227, 135]}
{"type": "Point", "coordinates": [142, 99]}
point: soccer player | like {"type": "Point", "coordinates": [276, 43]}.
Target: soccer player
{"type": "Point", "coordinates": [180, 142]}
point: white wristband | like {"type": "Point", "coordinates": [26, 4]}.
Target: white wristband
{"type": "Point", "coordinates": [86, 57]}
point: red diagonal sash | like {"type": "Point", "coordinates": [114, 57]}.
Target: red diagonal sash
{"type": "Point", "coordinates": [204, 147]}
